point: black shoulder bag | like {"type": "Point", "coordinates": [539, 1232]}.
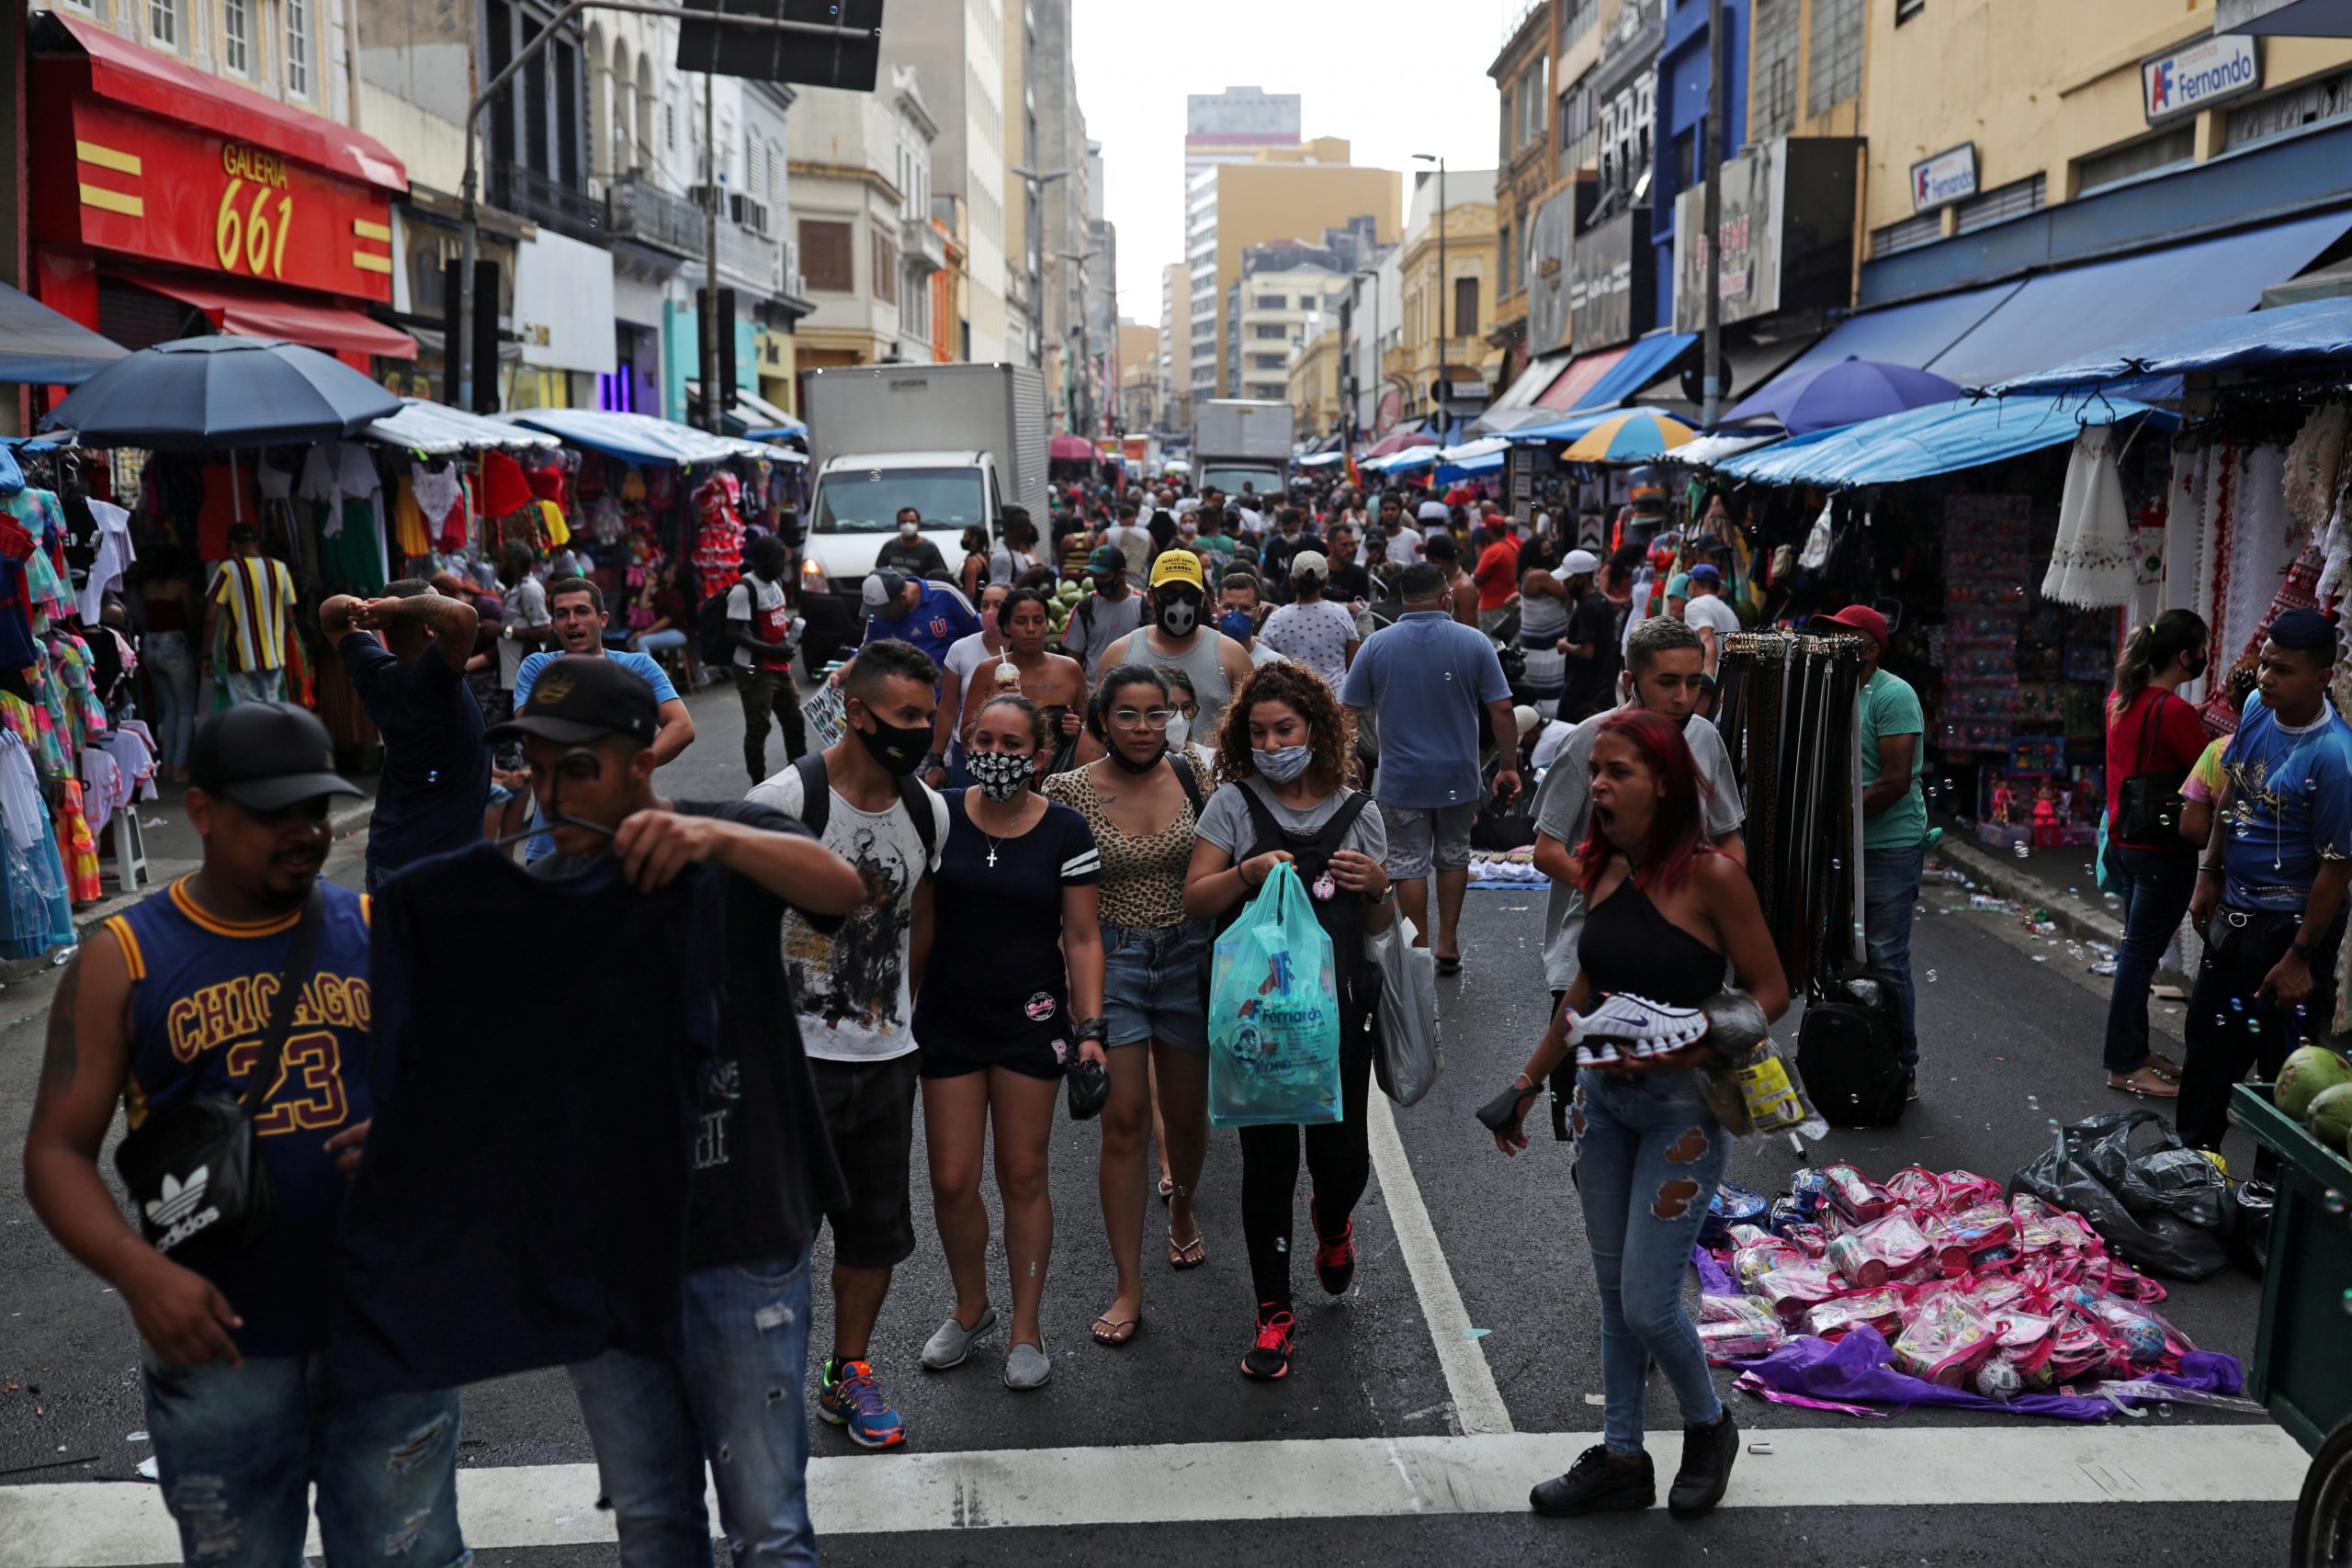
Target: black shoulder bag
{"type": "Point", "coordinates": [2148, 805]}
{"type": "Point", "coordinates": [194, 1168]}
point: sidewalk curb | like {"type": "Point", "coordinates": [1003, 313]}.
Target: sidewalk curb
{"type": "Point", "coordinates": [2084, 920]}
{"type": "Point", "coordinates": [91, 915]}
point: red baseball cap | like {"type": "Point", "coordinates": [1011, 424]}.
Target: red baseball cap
{"type": "Point", "coordinates": [1861, 618]}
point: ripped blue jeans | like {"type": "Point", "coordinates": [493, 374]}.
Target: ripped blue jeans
{"type": "Point", "coordinates": [237, 1448]}
{"type": "Point", "coordinates": [1650, 1154]}
{"type": "Point", "coordinates": [736, 1396]}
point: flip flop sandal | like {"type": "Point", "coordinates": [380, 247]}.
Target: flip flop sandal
{"type": "Point", "coordinates": [1187, 1254]}
{"type": "Point", "coordinates": [1116, 1339]}
{"type": "Point", "coordinates": [1167, 1188]}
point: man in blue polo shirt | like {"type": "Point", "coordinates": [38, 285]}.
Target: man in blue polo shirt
{"type": "Point", "coordinates": [1427, 675]}
{"type": "Point", "coordinates": [932, 616]}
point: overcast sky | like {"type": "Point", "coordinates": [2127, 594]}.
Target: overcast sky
{"type": "Point", "coordinates": [1393, 79]}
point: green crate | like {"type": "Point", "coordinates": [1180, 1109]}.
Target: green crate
{"type": "Point", "coordinates": [2300, 1369]}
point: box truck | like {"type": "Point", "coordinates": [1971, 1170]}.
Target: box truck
{"type": "Point", "coordinates": [1238, 441]}
{"type": "Point", "coordinates": [959, 442]}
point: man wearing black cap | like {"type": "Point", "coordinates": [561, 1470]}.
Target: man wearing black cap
{"type": "Point", "coordinates": [255, 595]}
{"type": "Point", "coordinates": [435, 781]}
{"type": "Point", "coordinates": [764, 1167]}
{"type": "Point", "coordinates": [167, 1006]}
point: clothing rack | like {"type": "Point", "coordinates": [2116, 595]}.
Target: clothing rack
{"type": "Point", "coordinates": [1790, 714]}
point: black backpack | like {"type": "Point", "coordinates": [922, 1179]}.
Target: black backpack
{"type": "Point", "coordinates": [710, 632]}
{"type": "Point", "coordinates": [1849, 1052]}
{"type": "Point", "coordinates": [817, 802]}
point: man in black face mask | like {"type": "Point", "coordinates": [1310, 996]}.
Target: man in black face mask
{"type": "Point", "coordinates": [853, 990]}
{"type": "Point", "coordinates": [1178, 636]}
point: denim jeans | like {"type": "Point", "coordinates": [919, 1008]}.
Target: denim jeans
{"type": "Point", "coordinates": [172, 668]}
{"type": "Point", "coordinates": [2156, 889]}
{"type": "Point", "coordinates": [255, 685]}
{"type": "Point", "coordinates": [1890, 895]}
{"type": "Point", "coordinates": [237, 1448]}
{"type": "Point", "coordinates": [660, 641]}
{"type": "Point", "coordinates": [737, 1397]}
{"type": "Point", "coordinates": [1650, 1154]}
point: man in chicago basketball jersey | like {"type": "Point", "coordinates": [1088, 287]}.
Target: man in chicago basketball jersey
{"type": "Point", "coordinates": [168, 1003]}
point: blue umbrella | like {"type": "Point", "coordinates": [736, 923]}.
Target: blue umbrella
{"type": "Point", "coordinates": [1845, 393]}
{"type": "Point", "coordinates": [211, 394]}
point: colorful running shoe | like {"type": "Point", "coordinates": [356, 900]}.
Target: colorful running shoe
{"type": "Point", "coordinates": [849, 1398]}
{"type": "Point", "coordinates": [1269, 1358]}
{"type": "Point", "coordinates": [1335, 1261]}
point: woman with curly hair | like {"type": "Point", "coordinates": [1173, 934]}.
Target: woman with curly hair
{"type": "Point", "coordinates": [1283, 754]}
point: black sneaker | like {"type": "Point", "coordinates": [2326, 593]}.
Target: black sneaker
{"type": "Point", "coordinates": [1707, 1455]}
{"type": "Point", "coordinates": [1910, 1085]}
{"type": "Point", "coordinates": [1597, 1484]}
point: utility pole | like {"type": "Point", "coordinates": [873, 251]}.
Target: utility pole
{"type": "Point", "coordinates": [708, 316]}
{"type": "Point", "coordinates": [470, 223]}
{"type": "Point", "coordinates": [1442, 282]}
{"type": "Point", "coordinates": [1711, 153]}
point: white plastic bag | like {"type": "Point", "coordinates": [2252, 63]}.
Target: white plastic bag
{"type": "Point", "coordinates": [1410, 1059]}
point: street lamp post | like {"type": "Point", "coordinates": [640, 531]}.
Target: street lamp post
{"type": "Point", "coordinates": [1083, 412]}
{"type": "Point", "coordinates": [1035, 182]}
{"type": "Point", "coordinates": [1442, 281]}
{"type": "Point", "coordinates": [469, 225]}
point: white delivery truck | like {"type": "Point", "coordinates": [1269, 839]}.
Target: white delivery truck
{"type": "Point", "coordinates": [959, 442]}
{"type": "Point", "coordinates": [1238, 441]}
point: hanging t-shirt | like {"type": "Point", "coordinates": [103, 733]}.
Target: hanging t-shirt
{"type": "Point", "coordinates": [850, 984]}
{"type": "Point", "coordinates": [763, 1164]}
{"type": "Point", "coordinates": [523, 1200]}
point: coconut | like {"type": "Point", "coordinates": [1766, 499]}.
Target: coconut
{"type": "Point", "coordinates": [2330, 1118]}
{"type": "Point", "coordinates": [2310, 1070]}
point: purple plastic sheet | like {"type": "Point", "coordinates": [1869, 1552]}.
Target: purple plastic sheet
{"type": "Point", "coordinates": [1812, 1372]}
{"type": "Point", "coordinates": [1714, 1278]}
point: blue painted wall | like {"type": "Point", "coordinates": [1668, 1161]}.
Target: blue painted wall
{"type": "Point", "coordinates": [1681, 104]}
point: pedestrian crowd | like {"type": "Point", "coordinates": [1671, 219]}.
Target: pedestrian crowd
{"type": "Point", "coordinates": [1000, 887]}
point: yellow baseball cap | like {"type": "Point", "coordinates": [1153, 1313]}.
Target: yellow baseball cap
{"type": "Point", "coordinates": [1178, 566]}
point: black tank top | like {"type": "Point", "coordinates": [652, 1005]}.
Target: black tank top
{"type": "Point", "coordinates": [1628, 946]}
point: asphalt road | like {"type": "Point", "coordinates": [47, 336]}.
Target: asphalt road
{"type": "Point", "coordinates": [2011, 1026]}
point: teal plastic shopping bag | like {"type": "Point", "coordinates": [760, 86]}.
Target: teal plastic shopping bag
{"type": "Point", "coordinates": [1274, 1013]}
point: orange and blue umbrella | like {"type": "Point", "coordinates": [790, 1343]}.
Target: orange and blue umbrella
{"type": "Point", "coordinates": [1632, 436]}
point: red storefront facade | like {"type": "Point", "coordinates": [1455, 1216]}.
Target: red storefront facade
{"type": "Point", "coordinates": [269, 220]}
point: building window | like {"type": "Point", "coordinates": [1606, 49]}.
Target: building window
{"type": "Point", "coordinates": [298, 48]}
{"type": "Point", "coordinates": [1579, 124]}
{"type": "Point", "coordinates": [2330, 98]}
{"type": "Point", "coordinates": [236, 35]}
{"type": "Point", "coordinates": [827, 258]}
{"type": "Point", "coordinates": [1503, 129]}
{"type": "Point", "coordinates": [2122, 164]}
{"type": "Point", "coordinates": [1269, 302]}
{"type": "Point", "coordinates": [775, 180]}
{"type": "Point", "coordinates": [886, 268]}
{"type": "Point", "coordinates": [1908, 235]}
{"type": "Point", "coordinates": [1265, 330]}
{"type": "Point", "coordinates": [1533, 97]}
{"type": "Point", "coordinates": [2012, 200]}
{"type": "Point", "coordinates": [164, 23]}
{"type": "Point", "coordinates": [1577, 19]}
{"type": "Point", "coordinates": [1774, 34]}
{"type": "Point", "coordinates": [1835, 60]}
{"type": "Point", "coordinates": [1268, 361]}
{"type": "Point", "coordinates": [1906, 9]}
{"type": "Point", "coordinates": [1465, 307]}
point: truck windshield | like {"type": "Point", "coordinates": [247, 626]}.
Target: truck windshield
{"type": "Point", "coordinates": [866, 500]}
{"type": "Point", "coordinates": [1264, 478]}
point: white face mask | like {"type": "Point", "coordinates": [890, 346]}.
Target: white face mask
{"type": "Point", "coordinates": [1180, 729]}
{"type": "Point", "coordinates": [910, 530]}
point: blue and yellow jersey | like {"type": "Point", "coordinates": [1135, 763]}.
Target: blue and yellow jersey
{"type": "Point", "coordinates": [201, 990]}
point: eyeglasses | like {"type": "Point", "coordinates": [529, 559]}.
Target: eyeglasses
{"type": "Point", "coordinates": [1146, 718]}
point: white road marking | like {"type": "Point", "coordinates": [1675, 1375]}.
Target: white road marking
{"type": "Point", "coordinates": [1478, 1407]}
{"type": "Point", "coordinates": [98, 1525]}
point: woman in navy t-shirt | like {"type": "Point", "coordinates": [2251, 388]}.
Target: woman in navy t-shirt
{"type": "Point", "coordinates": [1012, 995]}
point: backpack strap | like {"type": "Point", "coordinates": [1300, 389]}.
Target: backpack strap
{"type": "Point", "coordinates": [817, 793]}
{"type": "Point", "coordinates": [1271, 835]}
{"type": "Point", "coordinates": [916, 798]}
{"type": "Point", "coordinates": [1327, 841]}
{"type": "Point", "coordinates": [1181, 764]}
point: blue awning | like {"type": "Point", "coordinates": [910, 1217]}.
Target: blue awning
{"type": "Point", "coordinates": [42, 347]}
{"type": "Point", "coordinates": [2058, 315]}
{"type": "Point", "coordinates": [1913, 334]}
{"type": "Point", "coordinates": [1941, 439]}
{"type": "Point", "coordinates": [2315, 331]}
{"type": "Point", "coordinates": [1649, 358]}
{"type": "Point", "coordinates": [642, 438]}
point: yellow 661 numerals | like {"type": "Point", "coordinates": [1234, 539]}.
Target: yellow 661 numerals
{"type": "Point", "coordinates": [245, 237]}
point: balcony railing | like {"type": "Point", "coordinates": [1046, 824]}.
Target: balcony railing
{"type": "Point", "coordinates": [644, 212]}
{"type": "Point", "coordinates": [548, 201]}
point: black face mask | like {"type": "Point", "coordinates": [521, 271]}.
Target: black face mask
{"type": "Point", "coordinates": [899, 749]}
{"type": "Point", "coordinates": [2197, 671]}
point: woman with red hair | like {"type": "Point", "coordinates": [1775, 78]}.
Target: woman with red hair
{"type": "Point", "coordinates": [1667, 912]}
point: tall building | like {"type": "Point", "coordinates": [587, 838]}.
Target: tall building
{"type": "Point", "coordinates": [1231, 125]}
{"type": "Point", "coordinates": [1025, 250]}
{"type": "Point", "coordinates": [1063, 206]}
{"type": "Point", "coordinates": [1280, 194]}
{"type": "Point", "coordinates": [1175, 352]}
{"type": "Point", "coordinates": [862, 204]}
{"type": "Point", "coordinates": [1447, 289]}
{"type": "Point", "coordinates": [1529, 173]}
{"type": "Point", "coordinates": [1287, 289]}
{"type": "Point", "coordinates": [957, 46]}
